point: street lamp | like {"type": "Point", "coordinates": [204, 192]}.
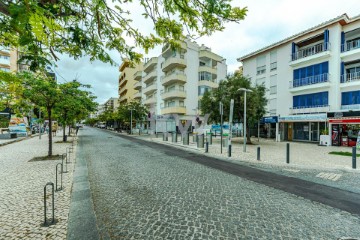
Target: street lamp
{"type": "Point", "coordinates": [245, 90]}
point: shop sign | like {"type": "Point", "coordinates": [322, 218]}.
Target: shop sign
{"type": "Point", "coordinates": [273, 119]}
{"type": "Point", "coordinates": [309, 117]}
{"type": "Point", "coordinates": [345, 120]}
{"type": "Point", "coordinates": [343, 114]}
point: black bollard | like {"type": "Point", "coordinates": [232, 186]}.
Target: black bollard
{"type": "Point", "coordinates": [288, 153]}
{"type": "Point", "coordinates": [206, 147]}
{"type": "Point", "coordinates": [258, 153]}
{"type": "Point", "coordinates": [229, 150]}
{"type": "Point", "coordinates": [354, 157]}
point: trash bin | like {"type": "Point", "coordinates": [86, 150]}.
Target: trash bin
{"type": "Point", "coordinates": [165, 136]}
{"type": "Point", "coordinates": [174, 137]}
{"type": "Point", "coordinates": [200, 142]}
{"type": "Point", "coordinates": [65, 138]}
{"type": "Point", "coordinates": [185, 137]}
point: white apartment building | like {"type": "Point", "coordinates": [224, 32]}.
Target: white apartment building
{"type": "Point", "coordinates": [174, 82]}
{"type": "Point", "coordinates": [313, 82]}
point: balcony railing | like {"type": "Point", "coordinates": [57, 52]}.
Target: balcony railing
{"type": "Point", "coordinates": [350, 77]}
{"type": "Point", "coordinates": [350, 107]}
{"type": "Point", "coordinates": [310, 109]}
{"type": "Point", "coordinates": [350, 45]}
{"type": "Point", "coordinates": [321, 78]}
{"type": "Point", "coordinates": [306, 52]}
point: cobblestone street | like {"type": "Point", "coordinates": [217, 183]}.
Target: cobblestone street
{"type": "Point", "coordinates": [144, 193]}
{"type": "Point", "coordinates": [22, 190]}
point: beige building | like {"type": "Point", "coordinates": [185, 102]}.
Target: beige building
{"type": "Point", "coordinates": [111, 104]}
{"type": "Point", "coordinates": [9, 60]}
{"type": "Point", "coordinates": [127, 80]}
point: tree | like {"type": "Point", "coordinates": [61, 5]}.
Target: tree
{"type": "Point", "coordinates": [43, 28]}
{"type": "Point", "coordinates": [227, 90]}
{"type": "Point", "coordinates": [137, 109]}
{"type": "Point", "coordinates": [75, 103]}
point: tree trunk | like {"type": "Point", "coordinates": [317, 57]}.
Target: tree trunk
{"type": "Point", "coordinates": [69, 130]}
{"type": "Point", "coordinates": [50, 131]}
{"type": "Point", "coordinates": [64, 126]}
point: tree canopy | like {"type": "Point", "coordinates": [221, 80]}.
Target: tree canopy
{"type": "Point", "coordinates": [44, 28]}
{"type": "Point", "coordinates": [227, 90]}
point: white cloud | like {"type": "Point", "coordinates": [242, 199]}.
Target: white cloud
{"type": "Point", "coordinates": [266, 23]}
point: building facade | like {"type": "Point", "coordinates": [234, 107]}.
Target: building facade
{"type": "Point", "coordinates": [9, 60]}
{"type": "Point", "coordinates": [127, 92]}
{"type": "Point", "coordinates": [175, 81]}
{"type": "Point", "coordinates": [308, 76]}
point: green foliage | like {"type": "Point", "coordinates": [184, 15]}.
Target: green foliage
{"type": "Point", "coordinates": [340, 153]}
{"type": "Point", "coordinates": [227, 90]}
{"type": "Point", "coordinates": [42, 28]}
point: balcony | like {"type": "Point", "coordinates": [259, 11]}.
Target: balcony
{"type": "Point", "coordinates": [208, 83]}
{"type": "Point", "coordinates": [207, 54]}
{"type": "Point", "coordinates": [150, 100]}
{"type": "Point", "coordinates": [321, 50]}
{"type": "Point", "coordinates": [209, 69]}
{"type": "Point", "coordinates": [149, 77]}
{"type": "Point", "coordinates": [150, 89]}
{"type": "Point", "coordinates": [350, 77]}
{"type": "Point", "coordinates": [174, 77]}
{"type": "Point", "coordinates": [174, 93]}
{"type": "Point", "coordinates": [167, 48]}
{"type": "Point", "coordinates": [137, 96]}
{"type": "Point", "coordinates": [174, 109]}
{"type": "Point", "coordinates": [350, 107]}
{"type": "Point", "coordinates": [149, 65]}
{"type": "Point", "coordinates": [321, 80]}
{"type": "Point", "coordinates": [138, 75]}
{"type": "Point", "coordinates": [174, 62]}
{"type": "Point", "coordinates": [138, 85]}
{"type": "Point", "coordinates": [310, 109]}
{"type": "Point", "coordinates": [123, 83]}
{"type": "Point", "coordinates": [4, 60]}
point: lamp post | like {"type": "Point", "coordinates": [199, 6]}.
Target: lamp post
{"type": "Point", "coordinates": [245, 90]}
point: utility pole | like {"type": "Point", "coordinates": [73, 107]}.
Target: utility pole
{"type": "Point", "coordinates": [221, 125]}
{"type": "Point", "coordinates": [39, 123]}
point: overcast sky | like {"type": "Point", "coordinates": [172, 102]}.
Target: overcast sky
{"type": "Point", "coordinates": [266, 22]}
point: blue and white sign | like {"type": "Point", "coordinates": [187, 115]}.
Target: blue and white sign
{"type": "Point", "coordinates": [273, 119]}
{"type": "Point", "coordinates": [305, 117]}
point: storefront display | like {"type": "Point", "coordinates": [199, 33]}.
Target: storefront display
{"type": "Point", "coordinates": [345, 128]}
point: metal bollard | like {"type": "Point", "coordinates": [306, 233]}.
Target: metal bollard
{"type": "Point", "coordinates": [354, 157]}
{"type": "Point", "coordinates": [56, 178]}
{"type": "Point", "coordinates": [67, 153]}
{"type": "Point", "coordinates": [46, 223]}
{"type": "Point", "coordinates": [258, 153]}
{"type": "Point", "coordinates": [288, 153]}
{"type": "Point", "coordinates": [207, 147]}
{"type": "Point", "coordinates": [62, 163]}
{"type": "Point", "coordinates": [229, 150]}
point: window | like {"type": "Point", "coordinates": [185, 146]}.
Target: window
{"type": "Point", "coordinates": [181, 103]}
{"type": "Point", "coordinates": [260, 65]}
{"type": "Point", "coordinates": [260, 81]}
{"type": "Point", "coordinates": [273, 61]}
{"type": "Point", "coordinates": [203, 89]}
{"type": "Point", "coordinates": [171, 104]}
{"type": "Point", "coordinates": [4, 69]}
{"type": "Point", "coordinates": [273, 84]}
{"type": "Point", "coordinates": [311, 100]}
{"type": "Point", "coordinates": [350, 98]}
{"type": "Point", "coordinates": [205, 76]}
{"type": "Point", "coordinates": [202, 64]}
{"type": "Point", "coordinates": [272, 106]}
{"type": "Point", "coordinates": [4, 57]}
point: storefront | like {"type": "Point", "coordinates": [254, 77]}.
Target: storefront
{"type": "Point", "coordinates": [307, 127]}
{"type": "Point", "coordinates": [268, 126]}
{"type": "Point", "coordinates": [344, 128]}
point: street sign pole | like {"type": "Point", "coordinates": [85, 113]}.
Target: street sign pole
{"type": "Point", "coordinates": [230, 126]}
{"type": "Point", "coordinates": [221, 125]}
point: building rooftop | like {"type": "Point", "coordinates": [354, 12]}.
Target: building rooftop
{"type": "Point", "coordinates": [342, 19]}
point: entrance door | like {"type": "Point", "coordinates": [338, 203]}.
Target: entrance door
{"type": "Point", "coordinates": [314, 128]}
{"type": "Point", "coordinates": [290, 131]}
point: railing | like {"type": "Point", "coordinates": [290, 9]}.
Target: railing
{"type": "Point", "coordinates": [318, 48]}
{"type": "Point", "coordinates": [151, 60]}
{"type": "Point", "coordinates": [172, 90]}
{"type": "Point", "coordinates": [310, 109]}
{"type": "Point", "coordinates": [177, 56]}
{"type": "Point", "coordinates": [321, 78]}
{"type": "Point", "coordinates": [176, 105]}
{"type": "Point", "coordinates": [350, 77]}
{"type": "Point", "coordinates": [350, 107]}
{"type": "Point", "coordinates": [351, 45]}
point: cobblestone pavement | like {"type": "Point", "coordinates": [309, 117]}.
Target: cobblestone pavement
{"type": "Point", "coordinates": [144, 193]}
{"type": "Point", "coordinates": [22, 190]}
{"type": "Point", "coordinates": [308, 164]}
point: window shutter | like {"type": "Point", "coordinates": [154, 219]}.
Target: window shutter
{"type": "Point", "coordinates": [342, 41]}
{"type": "Point", "coordinates": [342, 70]}
{"type": "Point", "coordinates": [293, 51]}
{"type": "Point", "coordinates": [326, 39]}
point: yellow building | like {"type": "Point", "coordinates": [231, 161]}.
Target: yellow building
{"type": "Point", "coordinates": [127, 79]}
{"type": "Point", "coordinates": [9, 60]}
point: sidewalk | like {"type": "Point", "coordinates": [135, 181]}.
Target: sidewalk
{"type": "Point", "coordinates": [22, 190]}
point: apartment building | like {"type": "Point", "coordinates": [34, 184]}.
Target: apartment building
{"type": "Point", "coordinates": [9, 60]}
{"type": "Point", "coordinates": [111, 104]}
{"type": "Point", "coordinates": [127, 81]}
{"type": "Point", "coordinates": [175, 81]}
{"type": "Point", "coordinates": [313, 82]}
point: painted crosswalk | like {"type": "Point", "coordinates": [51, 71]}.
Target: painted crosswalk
{"type": "Point", "coordinates": [329, 176]}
